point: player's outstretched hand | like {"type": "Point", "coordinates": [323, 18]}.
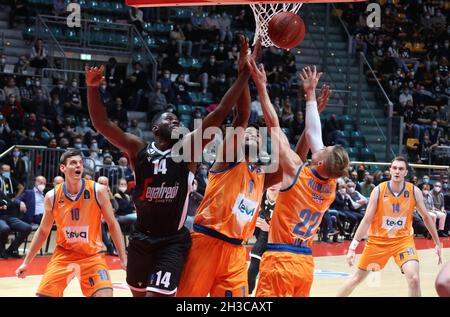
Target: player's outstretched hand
{"type": "Point", "coordinates": [351, 257]}
{"type": "Point", "coordinates": [258, 73]}
{"type": "Point", "coordinates": [322, 100]}
{"type": "Point", "coordinates": [438, 250]}
{"type": "Point", "coordinates": [94, 76]}
{"type": "Point", "coordinates": [244, 54]}
{"type": "Point", "coordinates": [21, 270]}
{"type": "Point", "coordinates": [256, 54]}
{"type": "Point", "coordinates": [310, 78]}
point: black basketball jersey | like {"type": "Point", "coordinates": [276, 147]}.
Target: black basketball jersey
{"type": "Point", "coordinates": [161, 193]}
{"type": "Point", "coordinates": [266, 208]}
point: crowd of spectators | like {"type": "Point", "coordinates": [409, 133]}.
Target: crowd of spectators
{"type": "Point", "coordinates": [410, 54]}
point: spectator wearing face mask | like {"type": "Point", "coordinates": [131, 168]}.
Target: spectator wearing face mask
{"type": "Point", "coordinates": [61, 91]}
{"type": "Point", "coordinates": [202, 178]}
{"type": "Point", "coordinates": [17, 164]}
{"type": "Point", "coordinates": [220, 87]}
{"type": "Point", "coordinates": [182, 97]}
{"type": "Point", "coordinates": [125, 170]}
{"type": "Point", "coordinates": [32, 138]}
{"type": "Point", "coordinates": [439, 208]}
{"type": "Point", "coordinates": [79, 145]}
{"type": "Point", "coordinates": [429, 204]}
{"type": "Point", "coordinates": [93, 160]}
{"type": "Point", "coordinates": [425, 180]}
{"type": "Point", "coordinates": [8, 184]}
{"type": "Point", "coordinates": [432, 136]}
{"type": "Point", "coordinates": [359, 202]}
{"type": "Point", "coordinates": [367, 186]}
{"type": "Point", "coordinates": [126, 211]}
{"type": "Point", "coordinates": [31, 201]}
{"type": "Point", "coordinates": [74, 96]}
{"type": "Point", "coordinates": [84, 129]}
{"type": "Point", "coordinates": [26, 94]}
{"type": "Point", "coordinates": [344, 205]}
{"type": "Point", "coordinates": [109, 169]}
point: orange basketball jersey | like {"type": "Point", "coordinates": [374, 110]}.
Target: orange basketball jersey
{"type": "Point", "coordinates": [231, 201]}
{"type": "Point", "coordinates": [78, 220]}
{"type": "Point", "coordinates": [394, 215]}
{"type": "Point", "coordinates": [300, 207]}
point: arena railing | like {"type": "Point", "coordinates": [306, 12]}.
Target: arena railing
{"type": "Point", "coordinates": [43, 161]}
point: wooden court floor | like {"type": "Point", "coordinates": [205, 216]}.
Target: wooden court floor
{"type": "Point", "coordinates": [330, 272]}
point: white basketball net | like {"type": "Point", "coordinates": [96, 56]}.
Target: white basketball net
{"type": "Point", "coordinates": [263, 14]}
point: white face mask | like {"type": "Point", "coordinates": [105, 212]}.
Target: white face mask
{"type": "Point", "coordinates": [194, 188]}
{"type": "Point", "coordinates": [342, 191]}
{"type": "Point", "coordinates": [351, 190]}
{"type": "Point", "coordinates": [41, 187]}
{"type": "Point", "coordinates": [123, 189]}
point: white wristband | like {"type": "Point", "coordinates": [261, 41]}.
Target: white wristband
{"type": "Point", "coordinates": [311, 103]}
{"type": "Point", "coordinates": [354, 244]}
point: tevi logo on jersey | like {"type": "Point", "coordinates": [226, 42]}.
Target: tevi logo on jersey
{"type": "Point", "coordinates": [244, 208]}
{"type": "Point", "coordinates": [76, 234]}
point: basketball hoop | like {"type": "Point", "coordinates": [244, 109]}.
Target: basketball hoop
{"type": "Point", "coordinates": [263, 14]}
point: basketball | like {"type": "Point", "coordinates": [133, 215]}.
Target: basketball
{"type": "Point", "coordinates": [286, 30]}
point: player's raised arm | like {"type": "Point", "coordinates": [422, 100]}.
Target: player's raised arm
{"type": "Point", "coordinates": [364, 225]}
{"type": "Point", "coordinates": [302, 147]}
{"type": "Point", "coordinates": [289, 160]}
{"type": "Point", "coordinates": [113, 225]}
{"type": "Point", "coordinates": [313, 129]}
{"type": "Point", "coordinates": [231, 146]}
{"type": "Point", "coordinates": [40, 236]}
{"type": "Point", "coordinates": [431, 226]}
{"type": "Point", "coordinates": [127, 142]}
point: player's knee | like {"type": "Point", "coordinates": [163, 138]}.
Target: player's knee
{"type": "Point", "coordinates": [443, 285]}
{"type": "Point", "coordinates": [107, 292]}
{"type": "Point", "coordinates": [413, 280]}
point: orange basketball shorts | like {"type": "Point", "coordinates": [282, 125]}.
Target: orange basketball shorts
{"type": "Point", "coordinates": [214, 267]}
{"type": "Point", "coordinates": [91, 271]}
{"type": "Point", "coordinates": [286, 274]}
{"type": "Point", "coordinates": [378, 251]}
